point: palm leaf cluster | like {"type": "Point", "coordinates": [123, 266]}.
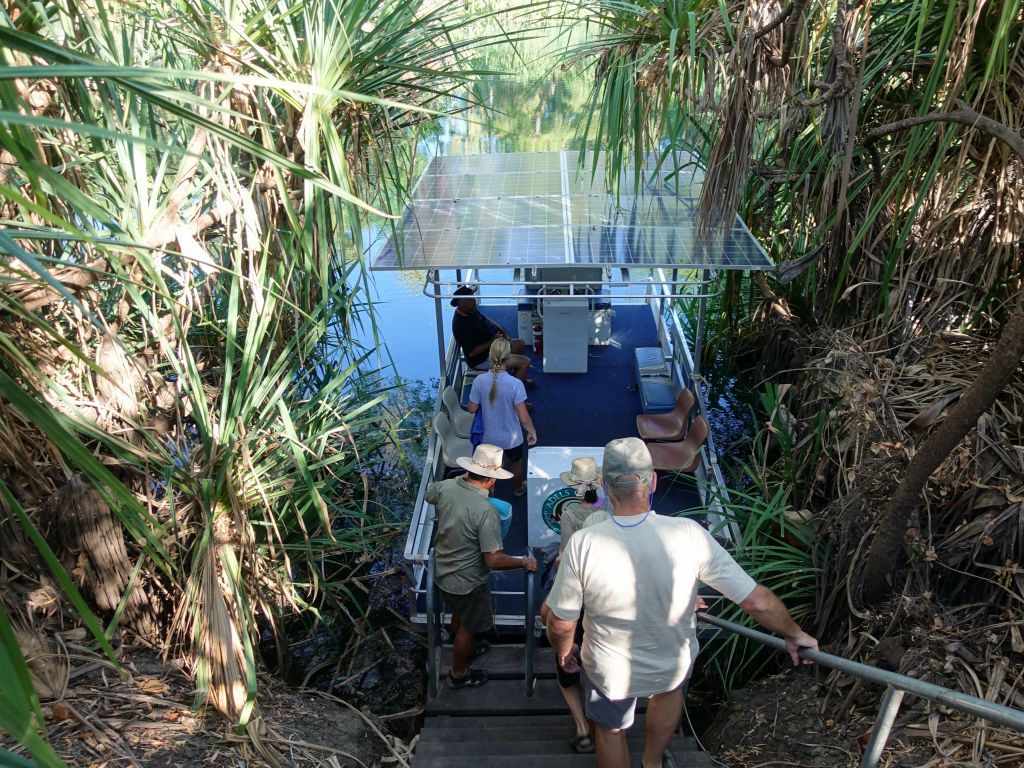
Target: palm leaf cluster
{"type": "Point", "coordinates": [189, 441]}
{"type": "Point", "coordinates": [778, 99]}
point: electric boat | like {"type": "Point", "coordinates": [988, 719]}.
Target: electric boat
{"type": "Point", "coordinates": [599, 277]}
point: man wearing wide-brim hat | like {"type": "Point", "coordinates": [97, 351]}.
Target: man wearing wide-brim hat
{"type": "Point", "coordinates": [637, 573]}
{"type": "Point", "coordinates": [474, 333]}
{"type": "Point", "coordinates": [467, 548]}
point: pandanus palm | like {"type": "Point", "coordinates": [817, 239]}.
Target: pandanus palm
{"type": "Point", "coordinates": [895, 230]}
{"type": "Point", "coordinates": [182, 188]}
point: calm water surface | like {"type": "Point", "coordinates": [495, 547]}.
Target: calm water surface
{"type": "Point", "coordinates": [532, 115]}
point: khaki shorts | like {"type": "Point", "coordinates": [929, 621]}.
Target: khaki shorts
{"type": "Point", "coordinates": [473, 609]}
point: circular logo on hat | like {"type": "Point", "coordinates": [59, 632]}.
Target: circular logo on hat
{"type": "Point", "coordinates": [553, 507]}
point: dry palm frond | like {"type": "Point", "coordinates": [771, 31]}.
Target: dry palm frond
{"type": "Point", "coordinates": [752, 79]}
{"type": "Point", "coordinates": [48, 669]}
{"type": "Point", "coordinates": [220, 645]}
{"type": "Point", "coordinates": [878, 407]}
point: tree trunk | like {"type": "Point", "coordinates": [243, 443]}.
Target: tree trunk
{"type": "Point", "coordinates": [892, 526]}
{"type": "Point", "coordinates": [93, 540]}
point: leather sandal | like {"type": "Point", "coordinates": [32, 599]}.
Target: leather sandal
{"type": "Point", "coordinates": [581, 743]}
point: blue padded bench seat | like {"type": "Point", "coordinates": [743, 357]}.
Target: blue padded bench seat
{"type": "Point", "coordinates": [657, 395]}
{"type": "Point", "coordinates": [649, 361]}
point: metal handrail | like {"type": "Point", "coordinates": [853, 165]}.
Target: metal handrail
{"type": "Point", "coordinates": [531, 620]}
{"type": "Point", "coordinates": [433, 629]}
{"type": "Point", "coordinates": [683, 369]}
{"type": "Point", "coordinates": [896, 685]}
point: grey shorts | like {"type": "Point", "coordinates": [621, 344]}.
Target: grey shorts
{"type": "Point", "coordinates": [608, 713]}
{"type": "Point", "coordinates": [473, 609]}
{"type": "Point", "coordinates": [613, 714]}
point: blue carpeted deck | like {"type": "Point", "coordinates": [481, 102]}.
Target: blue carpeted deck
{"type": "Point", "coordinates": [579, 409]}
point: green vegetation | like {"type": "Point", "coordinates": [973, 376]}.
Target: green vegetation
{"type": "Point", "coordinates": [870, 146]}
{"type": "Point", "coordinates": [190, 444]}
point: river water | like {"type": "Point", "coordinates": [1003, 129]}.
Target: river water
{"type": "Point", "coordinates": [537, 114]}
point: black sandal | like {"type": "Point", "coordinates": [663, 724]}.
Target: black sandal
{"type": "Point", "coordinates": [581, 743]}
{"type": "Point", "coordinates": [474, 678]}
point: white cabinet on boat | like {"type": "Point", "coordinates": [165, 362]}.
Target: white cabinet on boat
{"type": "Point", "coordinates": [567, 331]}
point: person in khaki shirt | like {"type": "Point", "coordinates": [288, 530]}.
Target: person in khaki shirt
{"type": "Point", "coordinates": [467, 547]}
{"type": "Point", "coordinates": [637, 574]}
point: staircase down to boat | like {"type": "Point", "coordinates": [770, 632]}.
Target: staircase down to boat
{"type": "Point", "coordinates": [498, 726]}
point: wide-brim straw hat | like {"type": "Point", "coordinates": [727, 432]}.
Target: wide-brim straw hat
{"type": "Point", "coordinates": [486, 461]}
{"type": "Point", "coordinates": [583, 473]}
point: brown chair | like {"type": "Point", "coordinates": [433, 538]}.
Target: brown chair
{"type": "Point", "coordinates": [684, 455]}
{"type": "Point", "coordinates": [667, 427]}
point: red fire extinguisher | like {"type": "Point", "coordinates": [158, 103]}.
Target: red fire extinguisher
{"type": "Point", "coordinates": [538, 339]}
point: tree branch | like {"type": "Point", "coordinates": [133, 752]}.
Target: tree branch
{"type": "Point", "coordinates": [789, 34]}
{"type": "Point", "coordinates": [774, 23]}
{"type": "Point", "coordinates": [963, 115]}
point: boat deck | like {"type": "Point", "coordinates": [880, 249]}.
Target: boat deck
{"type": "Point", "coordinates": [584, 409]}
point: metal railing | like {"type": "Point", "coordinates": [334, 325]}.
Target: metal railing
{"type": "Point", "coordinates": [896, 686]}
{"type": "Point", "coordinates": [531, 620]}
{"type": "Point", "coordinates": [433, 628]}
{"type": "Point", "coordinates": [435, 620]}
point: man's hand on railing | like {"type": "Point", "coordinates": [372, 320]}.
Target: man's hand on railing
{"type": "Point", "coordinates": [771, 614]}
{"type": "Point", "coordinates": [798, 641]}
{"type": "Point", "coordinates": [529, 563]}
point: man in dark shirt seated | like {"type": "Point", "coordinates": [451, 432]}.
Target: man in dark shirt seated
{"type": "Point", "coordinates": [474, 334]}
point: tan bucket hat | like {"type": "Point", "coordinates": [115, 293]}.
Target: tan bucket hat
{"type": "Point", "coordinates": [486, 461]}
{"type": "Point", "coordinates": [584, 472]}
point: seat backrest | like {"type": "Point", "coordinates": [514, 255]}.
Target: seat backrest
{"type": "Point", "coordinates": [450, 400]}
{"type": "Point", "coordinates": [698, 432]}
{"type": "Point", "coordinates": [684, 402]}
{"type": "Point", "coordinates": [443, 429]}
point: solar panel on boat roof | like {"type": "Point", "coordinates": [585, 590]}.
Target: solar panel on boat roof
{"type": "Point", "coordinates": [537, 209]}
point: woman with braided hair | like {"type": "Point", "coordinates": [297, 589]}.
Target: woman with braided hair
{"type": "Point", "coordinates": [502, 399]}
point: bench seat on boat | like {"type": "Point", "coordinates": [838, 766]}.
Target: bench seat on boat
{"type": "Point", "coordinates": [657, 395]}
{"type": "Point", "coordinates": [649, 362]}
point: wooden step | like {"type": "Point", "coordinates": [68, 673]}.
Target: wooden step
{"type": "Point", "coordinates": [471, 722]}
{"type": "Point", "coordinates": [544, 733]}
{"type": "Point", "coordinates": [474, 722]}
{"type": "Point", "coordinates": [550, 728]}
{"type": "Point", "coordinates": [503, 697]}
{"type": "Point", "coordinates": [541, 744]}
{"type": "Point", "coordinates": [506, 661]}
{"type": "Point", "coordinates": [684, 759]}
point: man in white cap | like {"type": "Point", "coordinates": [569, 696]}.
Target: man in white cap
{"type": "Point", "coordinates": [467, 548]}
{"type": "Point", "coordinates": [637, 573]}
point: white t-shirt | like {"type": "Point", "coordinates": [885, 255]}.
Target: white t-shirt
{"type": "Point", "coordinates": [640, 585]}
